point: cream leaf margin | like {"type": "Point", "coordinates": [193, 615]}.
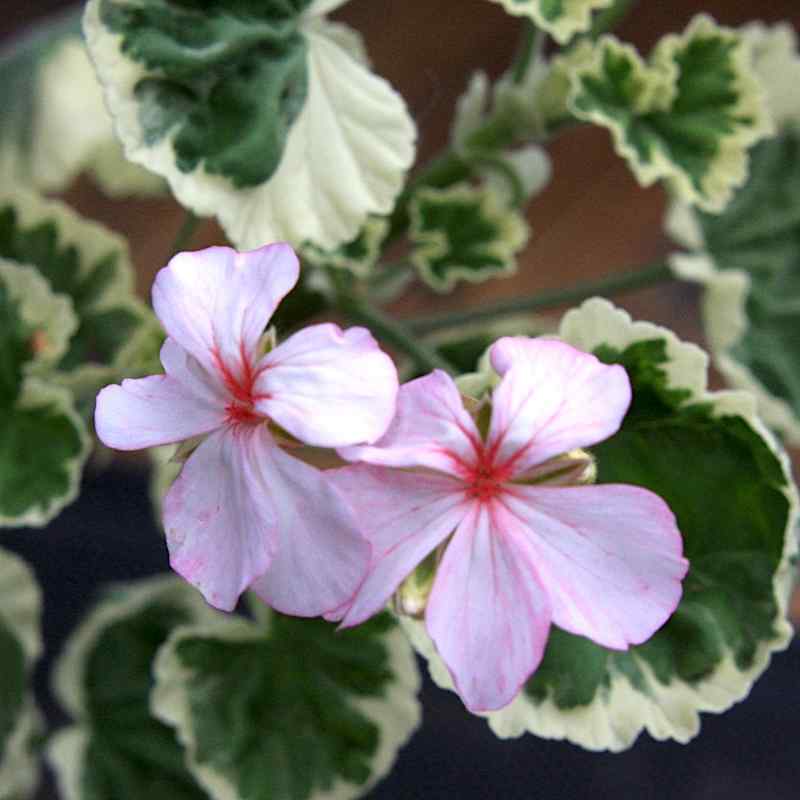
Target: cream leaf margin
{"type": "Point", "coordinates": [430, 244]}
{"type": "Point", "coordinates": [397, 715]}
{"type": "Point", "coordinates": [658, 80]}
{"type": "Point", "coordinates": [36, 394]}
{"type": "Point", "coordinates": [345, 157]}
{"type": "Point", "coordinates": [66, 749]}
{"type": "Point", "coordinates": [41, 310]}
{"type": "Point", "coordinates": [575, 18]}
{"type": "Point", "coordinates": [93, 242]}
{"type": "Point", "coordinates": [72, 130]}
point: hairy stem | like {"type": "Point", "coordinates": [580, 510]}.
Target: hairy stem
{"type": "Point", "coordinates": [613, 284]}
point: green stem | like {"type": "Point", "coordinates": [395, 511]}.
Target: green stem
{"type": "Point", "coordinates": [613, 284]}
{"type": "Point", "coordinates": [388, 282]}
{"type": "Point", "coordinates": [530, 46]}
{"type": "Point", "coordinates": [186, 232]}
{"type": "Point", "coordinates": [608, 19]}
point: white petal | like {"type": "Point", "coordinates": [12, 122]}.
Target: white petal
{"type": "Point", "coordinates": [219, 524]}
{"type": "Point", "coordinates": [609, 557]}
{"type": "Point", "coordinates": [430, 429]}
{"type": "Point", "coordinates": [488, 613]}
{"type": "Point", "coordinates": [216, 303]}
{"type": "Point", "coordinates": [404, 516]}
{"type": "Point", "coordinates": [328, 387]}
{"type": "Point", "coordinates": [321, 557]}
{"type": "Point", "coordinates": [552, 399]}
{"type": "Point", "coordinates": [146, 412]}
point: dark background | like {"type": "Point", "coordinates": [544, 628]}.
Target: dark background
{"type": "Point", "coordinates": [592, 220]}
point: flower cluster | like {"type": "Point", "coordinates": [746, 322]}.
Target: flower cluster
{"type": "Point", "coordinates": [493, 490]}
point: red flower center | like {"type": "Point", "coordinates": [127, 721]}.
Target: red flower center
{"type": "Point", "coordinates": [240, 409]}
{"type": "Point", "coordinates": [484, 480]}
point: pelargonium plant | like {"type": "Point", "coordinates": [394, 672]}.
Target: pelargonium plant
{"type": "Point", "coordinates": [576, 534]}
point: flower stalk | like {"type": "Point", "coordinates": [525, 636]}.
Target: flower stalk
{"type": "Point", "coordinates": [605, 287]}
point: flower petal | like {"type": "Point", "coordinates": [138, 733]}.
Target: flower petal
{"type": "Point", "coordinates": [488, 613]}
{"type": "Point", "coordinates": [322, 557]}
{"type": "Point", "coordinates": [189, 372]}
{"type": "Point", "coordinates": [431, 429]}
{"type": "Point", "coordinates": [609, 557]}
{"type": "Point", "coordinates": [160, 409]}
{"type": "Point", "coordinates": [404, 516]}
{"type": "Point", "coordinates": [328, 387]}
{"type": "Point", "coordinates": [215, 303]}
{"type": "Point", "coordinates": [552, 399]}
{"type": "Point", "coordinates": [219, 524]}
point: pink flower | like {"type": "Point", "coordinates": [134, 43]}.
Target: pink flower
{"type": "Point", "coordinates": [243, 511]}
{"type": "Point", "coordinates": [600, 561]}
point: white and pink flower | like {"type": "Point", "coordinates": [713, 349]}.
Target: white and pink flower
{"type": "Point", "coordinates": [244, 512]}
{"type": "Point", "coordinates": [521, 549]}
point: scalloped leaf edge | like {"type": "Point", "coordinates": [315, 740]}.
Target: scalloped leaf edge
{"type": "Point", "coordinates": [42, 310]}
{"type": "Point", "coordinates": [430, 244]}
{"type": "Point", "coordinates": [278, 217]}
{"type": "Point", "coordinates": [94, 242]}
{"type": "Point", "coordinates": [576, 17]}
{"type": "Point", "coordinates": [36, 393]}
{"type": "Point", "coordinates": [170, 703]}
{"type": "Point", "coordinates": [729, 167]}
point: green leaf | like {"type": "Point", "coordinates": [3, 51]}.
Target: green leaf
{"type": "Point", "coordinates": [258, 111]}
{"type": "Point", "coordinates": [226, 80]}
{"type": "Point", "coordinates": [688, 116]}
{"type": "Point", "coordinates": [463, 232]}
{"type": "Point", "coordinates": [43, 447]}
{"type": "Point", "coordinates": [291, 711]}
{"type": "Point", "coordinates": [116, 750]}
{"type": "Point", "coordinates": [562, 19]}
{"type": "Point", "coordinates": [747, 258]}
{"type": "Point", "coordinates": [736, 509]}
{"type": "Point", "coordinates": [20, 646]}
{"type": "Point", "coordinates": [87, 264]}
{"type": "Point", "coordinates": [35, 327]}
{"type": "Point", "coordinates": [358, 255]}
{"type": "Point", "coordinates": [15, 347]}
